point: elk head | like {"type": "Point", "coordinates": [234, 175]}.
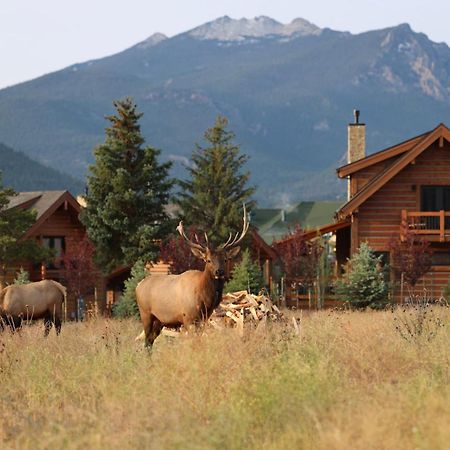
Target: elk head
{"type": "Point", "coordinates": [215, 259]}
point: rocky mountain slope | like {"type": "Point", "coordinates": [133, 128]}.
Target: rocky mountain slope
{"type": "Point", "coordinates": [287, 89]}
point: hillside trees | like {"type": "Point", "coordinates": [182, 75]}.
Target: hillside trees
{"type": "Point", "coordinates": [14, 223]}
{"type": "Point", "coordinates": [212, 198]}
{"type": "Point", "coordinates": [127, 192]}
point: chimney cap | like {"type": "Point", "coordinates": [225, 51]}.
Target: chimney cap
{"type": "Point", "coordinates": [356, 114]}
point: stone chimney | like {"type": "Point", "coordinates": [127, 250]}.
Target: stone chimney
{"type": "Point", "coordinates": [356, 139]}
{"type": "Point", "coordinates": [356, 148]}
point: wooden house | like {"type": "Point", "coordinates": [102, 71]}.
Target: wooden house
{"type": "Point", "coordinates": [406, 186]}
{"type": "Point", "coordinates": [57, 221]}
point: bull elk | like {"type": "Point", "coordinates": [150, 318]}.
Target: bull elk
{"type": "Point", "coordinates": [192, 296]}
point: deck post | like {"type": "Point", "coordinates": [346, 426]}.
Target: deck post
{"type": "Point", "coordinates": [403, 224]}
{"type": "Point", "coordinates": [442, 225]}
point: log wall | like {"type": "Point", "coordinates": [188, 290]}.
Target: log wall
{"type": "Point", "coordinates": [379, 218]}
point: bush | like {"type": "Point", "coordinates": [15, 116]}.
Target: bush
{"type": "Point", "coordinates": [22, 277]}
{"type": "Point", "coordinates": [245, 276]}
{"type": "Point", "coordinates": [363, 284]}
{"type": "Point", "coordinates": [126, 306]}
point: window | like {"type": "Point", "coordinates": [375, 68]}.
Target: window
{"type": "Point", "coordinates": [58, 245]}
{"type": "Point", "coordinates": [440, 259]}
{"type": "Point", "coordinates": [435, 198]}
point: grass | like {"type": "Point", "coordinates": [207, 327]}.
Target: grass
{"type": "Point", "coordinates": [349, 381]}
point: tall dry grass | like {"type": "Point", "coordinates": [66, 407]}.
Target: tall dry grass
{"type": "Point", "coordinates": [349, 381]}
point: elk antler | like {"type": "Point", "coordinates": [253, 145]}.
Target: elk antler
{"type": "Point", "coordinates": [180, 230]}
{"type": "Point", "coordinates": [232, 242]}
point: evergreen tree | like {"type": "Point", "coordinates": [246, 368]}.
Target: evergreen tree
{"type": "Point", "coordinates": [213, 196]}
{"type": "Point", "coordinates": [22, 277]}
{"type": "Point", "coordinates": [14, 223]}
{"type": "Point", "coordinates": [363, 283]}
{"type": "Point", "coordinates": [127, 192]}
{"type": "Point", "coordinates": [245, 276]}
{"type": "Point", "coordinates": [127, 306]}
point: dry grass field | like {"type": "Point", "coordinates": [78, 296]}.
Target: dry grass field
{"type": "Point", "coordinates": [348, 381]}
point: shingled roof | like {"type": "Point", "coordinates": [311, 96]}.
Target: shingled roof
{"type": "Point", "coordinates": [44, 203]}
{"type": "Point", "coordinates": [275, 223]}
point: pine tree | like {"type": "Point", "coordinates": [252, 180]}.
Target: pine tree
{"type": "Point", "coordinates": [14, 223]}
{"type": "Point", "coordinates": [22, 277]}
{"type": "Point", "coordinates": [126, 306]}
{"type": "Point", "coordinates": [245, 276]}
{"type": "Point", "coordinates": [212, 198]}
{"type": "Point", "coordinates": [127, 192]}
{"type": "Point", "coordinates": [363, 283]}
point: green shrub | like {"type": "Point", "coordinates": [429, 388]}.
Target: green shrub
{"type": "Point", "coordinates": [126, 306]}
{"type": "Point", "coordinates": [245, 276]}
{"type": "Point", "coordinates": [22, 277]}
{"type": "Point", "coordinates": [363, 284]}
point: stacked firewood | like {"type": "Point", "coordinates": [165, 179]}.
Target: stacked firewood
{"type": "Point", "coordinates": [236, 310]}
{"type": "Point", "coordinates": [241, 307]}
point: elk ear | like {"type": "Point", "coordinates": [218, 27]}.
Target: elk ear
{"type": "Point", "coordinates": [233, 252]}
{"type": "Point", "coordinates": [198, 253]}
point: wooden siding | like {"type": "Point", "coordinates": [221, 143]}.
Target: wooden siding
{"type": "Point", "coordinates": [379, 217]}
{"type": "Point", "coordinates": [64, 222]}
{"type": "Point", "coordinates": [364, 176]}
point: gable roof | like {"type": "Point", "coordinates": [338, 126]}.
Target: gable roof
{"type": "Point", "coordinates": [272, 225]}
{"type": "Point", "coordinates": [325, 229]}
{"type": "Point", "coordinates": [380, 156]}
{"type": "Point", "coordinates": [45, 203]}
{"type": "Point", "coordinates": [440, 132]}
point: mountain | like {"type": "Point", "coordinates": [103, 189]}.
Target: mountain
{"type": "Point", "coordinates": [23, 174]}
{"type": "Point", "coordinates": [288, 90]}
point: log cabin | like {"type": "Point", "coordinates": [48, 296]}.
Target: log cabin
{"type": "Point", "coordinates": [407, 184]}
{"type": "Point", "coordinates": [57, 222]}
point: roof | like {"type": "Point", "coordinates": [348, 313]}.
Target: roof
{"type": "Point", "coordinates": [310, 215]}
{"type": "Point", "coordinates": [45, 203]}
{"type": "Point", "coordinates": [40, 201]}
{"type": "Point", "coordinates": [377, 157]}
{"type": "Point", "coordinates": [325, 229]}
{"type": "Point", "coordinates": [420, 144]}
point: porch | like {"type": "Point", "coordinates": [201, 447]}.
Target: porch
{"type": "Point", "coordinates": [433, 225]}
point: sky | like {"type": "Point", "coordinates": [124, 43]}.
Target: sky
{"type": "Point", "coordinates": [42, 36]}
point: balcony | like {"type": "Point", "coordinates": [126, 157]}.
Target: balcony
{"type": "Point", "coordinates": [435, 225]}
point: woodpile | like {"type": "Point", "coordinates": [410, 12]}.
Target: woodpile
{"type": "Point", "coordinates": [239, 308]}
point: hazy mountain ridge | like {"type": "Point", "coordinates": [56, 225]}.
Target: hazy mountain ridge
{"type": "Point", "coordinates": [24, 174]}
{"type": "Point", "coordinates": [288, 96]}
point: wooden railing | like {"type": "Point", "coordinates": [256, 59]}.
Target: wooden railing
{"type": "Point", "coordinates": [427, 222]}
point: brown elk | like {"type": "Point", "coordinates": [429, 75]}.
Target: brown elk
{"type": "Point", "coordinates": [26, 302]}
{"type": "Point", "coordinates": [187, 298]}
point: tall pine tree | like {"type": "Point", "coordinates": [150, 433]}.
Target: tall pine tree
{"type": "Point", "coordinates": [127, 192]}
{"type": "Point", "coordinates": [213, 196]}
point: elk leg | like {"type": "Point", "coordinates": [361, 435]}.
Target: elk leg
{"type": "Point", "coordinates": [47, 324]}
{"type": "Point", "coordinates": [156, 329]}
{"type": "Point", "coordinates": [15, 323]}
{"type": "Point", "coordinates": [57, 322]}
{"type": "Point", "coordinates": [147, 323]}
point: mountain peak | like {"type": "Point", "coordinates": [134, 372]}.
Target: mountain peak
{"type": "Point", "coordinates": [151, 41]}
{"type": "Point", "coordinates": [228, 29]}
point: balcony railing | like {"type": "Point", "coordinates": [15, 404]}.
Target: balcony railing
{"type": "Point", "coordinates": [429, 223]}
